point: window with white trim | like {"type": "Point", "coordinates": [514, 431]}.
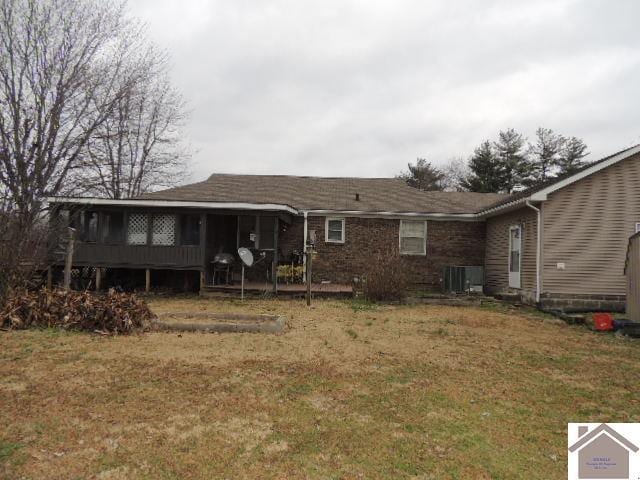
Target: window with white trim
{"type": "Point", "coordinates": [413, 237]}
{"type": "Point", "coordinates": [334, 230]}
{"type": "Point", "coordinates": [164, 230]}
{"type": "Point", "coordinates": [637, 227]}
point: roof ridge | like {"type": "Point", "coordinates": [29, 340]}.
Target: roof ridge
{"type": "Point", "coordinates": [283, 175]}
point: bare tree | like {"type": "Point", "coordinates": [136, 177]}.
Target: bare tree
{"type": "Point", "coordinates": [455, 171]}
{"type": "Point", "coordinates": [63, 71]}
{"type": "Point", "coordinates": [139, 147]}
{"type": "Point", "coordinates": [68, 68]}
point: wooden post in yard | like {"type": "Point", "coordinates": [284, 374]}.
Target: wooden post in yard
{"type": "Point", "coordinates": [98, 279]}
{"type": "Point", "coordinates": [202, 281]}
{"type": "Point", "coordinates": [309, 255]}
{"type": "Point", "coordinates": [147, 280]}
{"type": "Point", "coordinates": [69, 259]}
{"type": "Point", "coordinates": [49, 277]}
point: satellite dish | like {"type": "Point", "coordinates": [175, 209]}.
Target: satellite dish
{"type": "Point", "coordinates": [246, 256]}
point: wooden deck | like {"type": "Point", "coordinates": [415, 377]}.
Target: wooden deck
{"type": "Point", "coordinates": [290, 290]}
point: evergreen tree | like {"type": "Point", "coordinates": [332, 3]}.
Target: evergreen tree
{"type": "Point", "coordinates": [423, 176]}
{"type": "Point", "coordinates": [486, 175]}
{"type": "Point", "coordinates": [571, 155]}
{"type": "Point", "coordinates": [544, 155]}
{"type": "Point", "coordinates": [514, 169]}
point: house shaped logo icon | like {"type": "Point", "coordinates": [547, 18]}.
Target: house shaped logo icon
{"type": "Point", "coordinates": [602, 453]}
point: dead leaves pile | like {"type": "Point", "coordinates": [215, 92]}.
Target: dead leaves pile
{"type": "Point", "coordinates": [111, 313]}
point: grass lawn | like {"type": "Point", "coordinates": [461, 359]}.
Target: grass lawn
{"type": "Point", "coordinates": [349, 391]}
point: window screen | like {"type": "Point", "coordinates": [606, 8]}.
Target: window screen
{"type": "Point", "coordinates": [412, 237]}
{"type": "Point", "coordinates": [85, 224]}
{"type": "Point", "coordinates": [137, 229]}
{"type": "Point", "coordinates": [111, 227]}
{"type": "Point", "coordinates": [164, 230]}
{"type": "Point", "coordinates": [246, 231]}
{"type": "Point", "coordinates": [335, 230]}
{"type": "Point", "coordinates": [190, 229]}
{"type": "Point", "coordinates": [90, 233]}
{"type": "Point", "coordinates": [266, 233]}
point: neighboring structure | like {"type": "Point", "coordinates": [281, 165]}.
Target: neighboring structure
{"type": "Point", "coordinates": [561, 244]}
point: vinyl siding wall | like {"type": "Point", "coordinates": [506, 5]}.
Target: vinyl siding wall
{"type": "Point", "coordinates": [497, 251]}
{"type": "Point", "coordinates": [587, 226]}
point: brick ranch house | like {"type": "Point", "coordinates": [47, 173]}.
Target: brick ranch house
{"type": "Point", "coordinates": [562, 243]}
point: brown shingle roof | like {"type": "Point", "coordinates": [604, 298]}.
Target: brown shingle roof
{"type": "Point", "coordinates": [326, 193]}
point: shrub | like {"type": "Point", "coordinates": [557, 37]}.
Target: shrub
{"type": "Point", "coordinates": [290, 273]}
{"type": "Point", "coordinates": [385, 279]}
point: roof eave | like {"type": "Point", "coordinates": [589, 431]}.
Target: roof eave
{"type": "Point", "coordinates": [174, 203]}
{"type": "Point", "coordinates": [394, 215]}
{"type": "Point", "coordinates": [505, 207]}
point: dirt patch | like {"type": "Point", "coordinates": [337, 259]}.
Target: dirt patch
{"type": "Point", "coordinates": [219, 322]}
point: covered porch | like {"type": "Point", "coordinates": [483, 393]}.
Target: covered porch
{"type": "Point", "coordinates": [171, 236]}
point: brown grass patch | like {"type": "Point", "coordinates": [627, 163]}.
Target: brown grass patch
{"type": "Point", "coordinates": [417, 392]}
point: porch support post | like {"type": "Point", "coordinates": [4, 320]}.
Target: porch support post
{"type": "Point", "coordinates": [274, 266]}
{"type": "Point", "coordinates": [49, 277]}
{"type": "Point", "coordinates": [203, 249]}
{"type": "Point", "coordinates": [147, 280]}
{"type": "Point", "coordinates": [98, 279]}
{"type": "Point", "coordinates": [68, 264]}
{"type": "Point", "coordinates": [304, 249]}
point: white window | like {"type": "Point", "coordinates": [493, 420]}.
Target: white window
{"type": "Point", "coordinates": [137, 229]}
{"type": "Point", "coordinates": [413, 237]}
{"type": "Point", "coordinates": [164, 230]}
{"type": "Point", "coordinates": [334, 230]}
{"type": "Point", "coordinates": [637, 227]}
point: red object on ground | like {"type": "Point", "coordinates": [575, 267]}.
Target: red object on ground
{"type": "Point", "coordinates": [603, 321]}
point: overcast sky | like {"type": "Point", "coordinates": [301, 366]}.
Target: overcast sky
{"type": "Point", "coordinates": [360, 88]}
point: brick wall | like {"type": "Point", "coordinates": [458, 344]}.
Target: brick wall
{"type": "Point", "coordinates": [291, 238]}
{"type": "Point", "coordinates": [448, 243]}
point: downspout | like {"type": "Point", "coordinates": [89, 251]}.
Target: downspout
{"type": "Point", "coordinates": [304, 249]}
{"type": "Point", "coordinates": [538, 248]}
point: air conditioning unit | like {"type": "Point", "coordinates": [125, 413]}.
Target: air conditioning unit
{"type": "Point", "coordinates": [468, 279]}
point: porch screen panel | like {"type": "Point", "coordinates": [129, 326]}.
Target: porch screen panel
{"type": "Point", "coordinates": [137, 229]}
{"type": "Point", "coordinates": [246, 228]}
{"type": "Point", "coordinates": [190, 229]}
{"type": "Point", "coordinates": [265, 239]}
{"type": "Point", "coordinates": [164, 230]}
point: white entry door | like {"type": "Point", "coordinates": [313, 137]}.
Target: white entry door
{"type": "Point", "coordinates": [515, 255]}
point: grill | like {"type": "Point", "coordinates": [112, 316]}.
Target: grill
{"type": "Point", "coordinates": [222, 265]}
{"type": "Point", "coordinates": [223, 259]}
